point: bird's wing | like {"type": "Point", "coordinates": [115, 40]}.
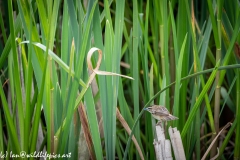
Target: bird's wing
{"type": "Point", "coordinates": [161, 111]}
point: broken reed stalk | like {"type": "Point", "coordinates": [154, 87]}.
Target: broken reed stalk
{"type": "Point", "coordinates": [163, 146]}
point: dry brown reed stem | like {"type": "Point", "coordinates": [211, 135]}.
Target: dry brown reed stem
{"type": "Point", "coordinates": [86, 130]}
{"type": "Point", "coordinates": [214, 140]}
{"type": "Point", "coordinates": [127, 128]}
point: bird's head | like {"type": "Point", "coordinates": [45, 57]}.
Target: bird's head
{"type": "Point", "coordinates": [148, 109]}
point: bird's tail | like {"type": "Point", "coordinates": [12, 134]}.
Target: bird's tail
{"type": "Point", "coordinates": [169, 118]}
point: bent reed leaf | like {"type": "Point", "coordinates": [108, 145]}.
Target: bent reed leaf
{"type": "Point", "coordinates": [95, 70]}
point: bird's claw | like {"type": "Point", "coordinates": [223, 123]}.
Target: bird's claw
{"type": "Point", "coordinates": [159, 123]}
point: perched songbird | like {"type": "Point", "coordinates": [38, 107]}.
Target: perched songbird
{"type": "Point", "coordinates": [160, 113]}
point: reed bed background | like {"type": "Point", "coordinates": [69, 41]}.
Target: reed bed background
{"type": "Point", "coordinates": [181, 54]}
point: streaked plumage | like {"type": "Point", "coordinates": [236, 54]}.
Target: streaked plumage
{"type": "Point", "coordinates": [160, 113]}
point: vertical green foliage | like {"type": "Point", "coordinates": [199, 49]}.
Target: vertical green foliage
{"type": "Point", "coordinates": [203, 54]}
{"type": "Point", "coordinates": [74, 24]}
{"type": "Point", "coordinates": [196, 67]}
{"type": "Point", "coordinates": [237, 140]}
{"type": "Point", "coordinates": [198, 102]}
{"type": "Point", "coordinates": [93, 123]}
{"type": "Point", "coordinates": [24, 12]}
{"type": "Point", "coordinates": [155, 32]}
{"type": "Point", "coordinates": [178, 79]}
{"type": "Point", "coordinates": [227, 138]}
{"type": "Point", "coordinates": [145, 53]}
{"type": "Point", "coordinates": [181, 29]}
{"type": "Point", "coordinates": [37, 115]}
{"type": "Point", "coordinates": [49, 22]}
{"type": "Point", "coordinates": [16, 75]}
{"type": "Point", "coordinates": [89, 99]}
{"type": "Point", "coordinates": [229, 49]}
{"type": "Point", "coordinates": [217, 37]}
{"type": "Point", "coordinates": [174, 31]}
{"type": "Point", "coordinates": [5, 51]}
{"type": "Point", "coordinates": [197, 126]}
{"type": "Point", "coordinates": [148, 80]}
{"type": "Point", "coordinates": [108, 108]}
{"type": "Point", "coordinates": [119, 21]}
{"type": "Point", "coordinates": [135, 66]}
{"type": "Point", "coordinates": [53, 74]}
{"type": "Point", "coordinates": [78, 71]}
{"type": "Point", "coordinates": [47, 109]}
{"type": "Point", "coordinates": [2, 28]}
{"type": "Point", "coordinates": [1, 133]}
{"type": "Point", "coordinates": [107, 100]}
{"type": "Point", "coordinates": [10, 124]}
{"type": "Point", "coordinates": [28, 89]}
{"type": "Point", "coordinates": [105, 83]}
{"type": "Point", "coordinates": [164, 38]}
{"type": "Point", "coordinates": [66, 42]}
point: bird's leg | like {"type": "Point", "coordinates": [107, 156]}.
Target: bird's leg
{"type": "Point", "coordinates": [160, 123]}
{"type": "Point", "coordinates": [165, 127]}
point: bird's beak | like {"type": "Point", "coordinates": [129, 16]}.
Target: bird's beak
{"type": "Point", "coordinates": [146, 109]}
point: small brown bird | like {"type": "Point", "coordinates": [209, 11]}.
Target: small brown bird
{"type": "Point", "coordinates": [160, 113]}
